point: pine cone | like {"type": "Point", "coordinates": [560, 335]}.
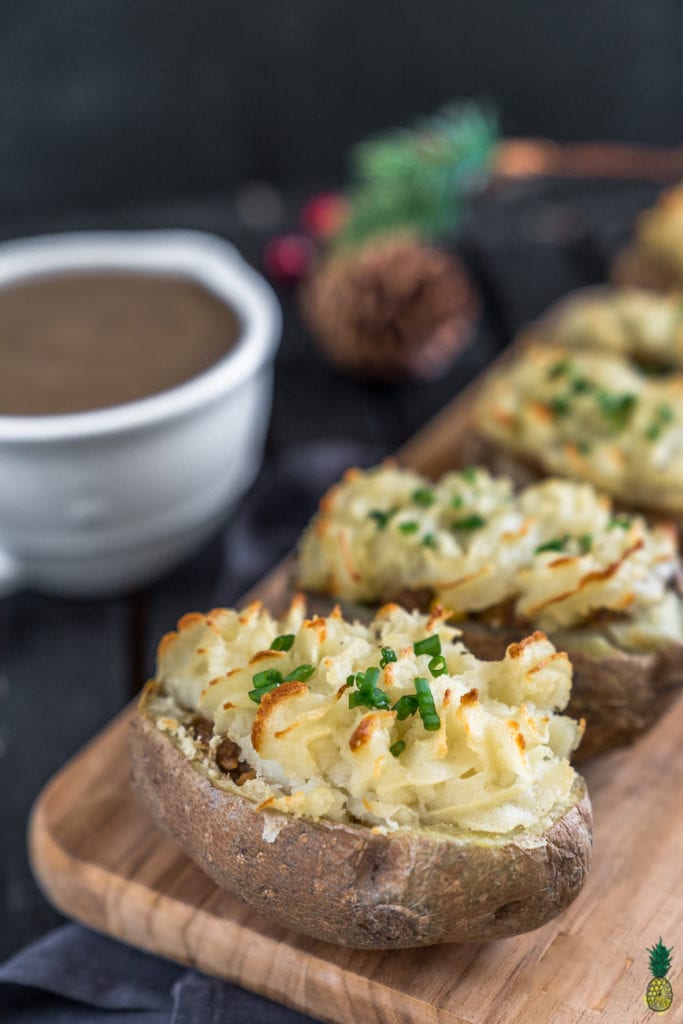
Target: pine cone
{"type": "Point", "coordinates": [395, 309]}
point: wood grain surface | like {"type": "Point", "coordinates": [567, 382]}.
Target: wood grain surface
{"type": "Point", "coordinates": [99, 858]}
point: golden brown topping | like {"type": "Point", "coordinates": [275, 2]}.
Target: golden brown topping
{"type": "Point", "coordinates": [191, 619]}
{"type": "Point", "coordinates": [517, 650]}
{"type": "Point", "coordinates": [268, 704]}
{"type": "Point", "coordinates": [362, 734]}
{"type": "Point", "coordinates": [471, 697]}
{"type": "Point", "coordinates": [540, 665]}
{"type": "Point", "coordinates": [250, 612]}
{"type": "Point", "coordinates": [166, 642]}
{"type": "Point", "coordinates": [268, 655]}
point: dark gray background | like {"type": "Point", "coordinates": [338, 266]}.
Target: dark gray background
{"type": "Point", "coordinates": [105, 101]}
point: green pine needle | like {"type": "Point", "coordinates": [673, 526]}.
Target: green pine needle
{"type": "Point", "coordinates": [660, 959]}
{"type": "Point", "coordinates": [419, 179]}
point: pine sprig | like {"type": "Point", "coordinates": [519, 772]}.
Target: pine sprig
{"type": "Point", "coordinates": [660, 959]}
{"type": "Point", "coordinates": [419, 179]}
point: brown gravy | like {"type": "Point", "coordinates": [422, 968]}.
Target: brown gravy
{"type": "Point", "coordinates": [71, 342]}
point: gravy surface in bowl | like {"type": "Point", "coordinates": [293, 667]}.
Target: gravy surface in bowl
{"type": "Point", "coordinates": [77, 341]}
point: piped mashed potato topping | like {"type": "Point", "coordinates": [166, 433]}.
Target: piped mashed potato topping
{"type": "Point", "coordinates": [556, 552]}
{"type": "Point", "coordinates": [639, 324]}
{"type": "Point", "coordinates": [488, 755]}
{"type": "Point", "coordinates": [594, 416]}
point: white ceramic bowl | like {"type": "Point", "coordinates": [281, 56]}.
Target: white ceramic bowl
{"type": "Point", "coordinates": [100, 502]}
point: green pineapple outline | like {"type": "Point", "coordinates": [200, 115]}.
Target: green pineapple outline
{"type": "Point", "coordinates": [659, 993]}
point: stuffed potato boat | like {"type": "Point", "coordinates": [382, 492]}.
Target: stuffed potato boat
{"type": "Point", "coordinates": [555, 556]}
{"type": "Point", "coordinates": [374, 786]}
{"type": "Point", "coordinates": [589, 415]}
{"type": "Point", "coordinates": [642, 326]}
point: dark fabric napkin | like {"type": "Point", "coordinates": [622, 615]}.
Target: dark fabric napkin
{"type": "Point", "coordinates": [73, 975]}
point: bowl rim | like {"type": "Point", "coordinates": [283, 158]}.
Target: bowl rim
{"type": "Point", "coordinates": [207, 259]}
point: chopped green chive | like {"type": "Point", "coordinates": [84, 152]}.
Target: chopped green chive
{"type": "Point", "coordinates": [429, 541]}
{"type": "Point", "coordinates": [438, 666]}
{"type": "Point", "coordinates": [388, 654]}
{"type": "Point", "coordinates": [616, 408]}
{"type": "Point", "coordinates": [423, 496]}
{"type": "Point", "coordinates": [584, 447]}
{"type": "Point", "coordinates": [581, 386]}
{"type": "Point", "coordinates": [426, 708]}
{"type": "Point", "coordinates": [585, 542]}
{"type": "Point", "coordinates": [381, 518]}
{"type": "Point", "coordinates": [300, 674]}
{"type": "Point", "coordinates": [457, 501]}
{"type": "Point", "coordinates": [409, 527]}
{"type": "Point", "coordinates": [556, 544]}
{"type": "Point", "coordinates": [405, 706]}
{"type": "Point", "coordinates": [397, 748]}
{"type": "Point", "coordinates": [256, 695]}
{"type": "Point", "coordinates": [559, 405]}
{"type": "Point", "coordinates": [372, 697]}
{"type": "Point", "coordinates": [369, 697]}
{"type": "Point", "coordinates": [473, 522]}
{"type": "Point", "coordinates": [269, 677]}
{"type": "Point", "coordinates": [663, 415]}
{"type": "Point", "coordinates": [368, 694]}
{"type": "Point", "coordinates": [470, 474]}
{"type": "Point", "coordinates": [430, 645]}
{"type": "Point", "coordinates": [283, 643]}
{"type": "Point", "coordinates": [559, 369]}
{"type": "Point", "coordinates": [619, 522]}
{"type": "Point", "coordinates": [370, 677]}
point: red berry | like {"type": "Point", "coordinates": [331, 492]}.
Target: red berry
{"type": "Point", "coordinates": [323, 215]}
{"type": "Point", "coordinates": [288, 258]}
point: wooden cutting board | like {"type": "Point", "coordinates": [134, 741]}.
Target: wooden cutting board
{"type": "Point", "coordinates": [100, 859]}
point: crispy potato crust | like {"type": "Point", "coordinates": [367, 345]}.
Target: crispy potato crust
{"type": "Point", "coordinates": [349, 885]}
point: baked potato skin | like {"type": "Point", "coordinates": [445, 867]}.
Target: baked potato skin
{"type": "Point", "coordinates": [347, 885]}
{"type": "Point", "coordinates": [620, 696]}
